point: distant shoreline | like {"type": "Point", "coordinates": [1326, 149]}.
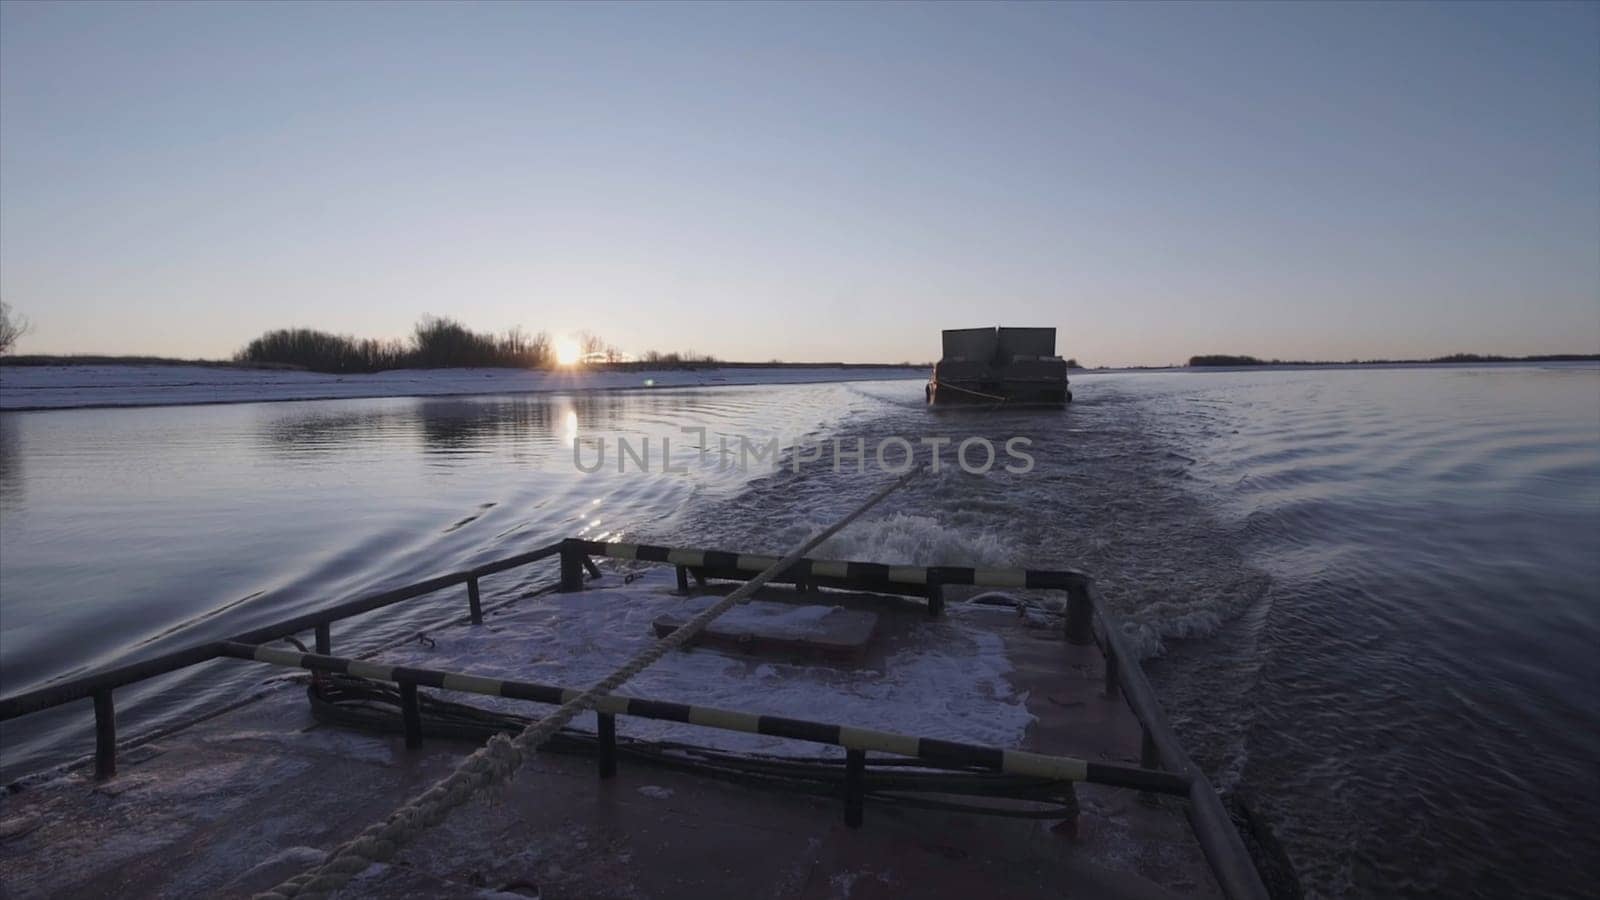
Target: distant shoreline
{"type": "Point", "coordinates": [61, 386]}
{"type": "Point", "coordinates": [1328, 367]}
{"type": "Point", "coordinates": [88, 359]}
{"type": "Point", "coordinates": [1209, 361]}
{"type": "Point", "coordinates": [1242, 361]}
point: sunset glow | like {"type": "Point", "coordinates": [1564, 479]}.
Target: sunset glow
{"type": "Point", "coordinates": [567, 351]}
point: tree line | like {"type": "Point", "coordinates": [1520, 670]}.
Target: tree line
{"type": "Point", "coordinates": [435, 342]}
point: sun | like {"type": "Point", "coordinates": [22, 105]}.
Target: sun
{"type": "Point", "coordinates": [567, 351]}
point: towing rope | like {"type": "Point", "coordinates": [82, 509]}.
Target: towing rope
{"type": "Point", "coordinates": [946, 384]}
{"type": "Point", "coordinates": [501, 757]}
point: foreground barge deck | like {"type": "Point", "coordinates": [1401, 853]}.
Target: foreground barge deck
{"type": "Point", "coordinates": [237, 803]}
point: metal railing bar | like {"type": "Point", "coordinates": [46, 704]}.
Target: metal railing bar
{"type": "Point", "coordinates": [1229, 859]}
{"type": "Point", "coordinates": [512, 562]}
{"type": "Point", "coordinates": [264, 692]}
{"type": "Point", "coordinates": [388, 598]}
{"type": "Point", "coordinates": [1219, 841]}
{"type": "Point", "coordinates": [865, 575]}
{"type": "Point", "coordinates": [939, 752]}
{"type": "Point", "coordinates": [79, 688]}
{"type": "Point", "coordinates": [814, 581]}
{"type": "Point", "coordinates": [52, 695]}
{"type": "Point", "coordinates": [1141, 698]}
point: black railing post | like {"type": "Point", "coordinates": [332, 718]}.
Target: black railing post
{"type": "Point", "coordinates": [935, 599]}
{"type": "Point", "coordinates": [411, 714]}
{"type": "Point", "coordinates": [855, 772]}
{"type": "Point", "coordinates": [473, 604]}
{"type": "Point", "coordinates": [1080, 615]}
{"type": "Point", "coordinates": [607, 732]}
{"type": "Point", "coordinates": [105, 735]}
{"type": "Point", "coordinates": [325, 639]}
{"type": "Point", "coordinates": [1149, 754]}
{"type": "Point", "coordinates": [1149, 758]}
{"type": "Point", "coordinates": [1113, 674]}
{"type": "Point", "coordinates": [683, 579]}
{"type": "Point", "coordinates": [572, 558]}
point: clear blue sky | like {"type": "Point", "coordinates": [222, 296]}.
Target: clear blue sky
{"type": "Point", "coordinates": [808, 182]}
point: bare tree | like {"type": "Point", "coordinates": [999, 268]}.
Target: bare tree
{"type": "Point", "coordinates": [13, 326]}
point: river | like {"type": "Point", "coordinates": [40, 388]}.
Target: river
{"type": "Point", "coordinates": [1369, 598]}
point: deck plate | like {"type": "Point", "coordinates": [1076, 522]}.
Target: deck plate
{"type": "Point", "coordinates": [784, 629]}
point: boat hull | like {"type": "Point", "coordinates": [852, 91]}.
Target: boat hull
{"type": "Point", "coordinates": [1022, 380]}
{"type": "Point", "coordinates": [990, 393]}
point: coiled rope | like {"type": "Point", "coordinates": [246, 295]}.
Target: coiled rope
{"type": "Point", "coordinates": [500, 758]}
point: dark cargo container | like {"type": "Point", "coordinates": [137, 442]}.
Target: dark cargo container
{"type": "Point", "coordinates": [1000, 365]}
{"type": "Point", "coordinates": [971, 344]}
{"type": "Point", "coordinates": [1027, 342]}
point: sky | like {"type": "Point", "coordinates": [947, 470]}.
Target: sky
{"type": "Point", "coordinates": [808, 182]}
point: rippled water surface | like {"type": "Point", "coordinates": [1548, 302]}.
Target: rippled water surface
{"type": "Point", "coordinates": [127, 533]}
{"type": "Point", "coordinates": [1415, 697]}
{"type": "Point", "coordinates": [1371, 597]}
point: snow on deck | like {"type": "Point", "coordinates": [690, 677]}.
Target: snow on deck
{"type": "Point", "coordinates": [71, 386]}
{"type": "Point", "coordinates": [236, 803]}
{"type": "Point", "coordinates": [942, 678]}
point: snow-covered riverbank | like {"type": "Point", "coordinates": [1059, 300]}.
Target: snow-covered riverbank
{"type": "Point", "coordinates": [68, 387]}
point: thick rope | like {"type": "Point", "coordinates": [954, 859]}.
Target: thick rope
{"type": "Point", "coordinates": [948, 386]}
{"type": "Point", "coordinates": [500, 758]}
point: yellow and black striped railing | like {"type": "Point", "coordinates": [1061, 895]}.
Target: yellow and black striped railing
{"type": "Point", "coordinates": [864, 574]}
{"type": "Point", "coordinates": [920, 581]}
{"type": "Point", "coordinates": [933, 751]}
{"type": "Point", "coordinates": [1164, 766]}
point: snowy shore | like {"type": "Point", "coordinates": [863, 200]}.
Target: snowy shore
{"type": "Point", "coordinates": [71, 387]}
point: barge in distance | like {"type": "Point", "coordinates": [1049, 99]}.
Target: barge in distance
{"type": "Point", "coordinates": [1013, 366]}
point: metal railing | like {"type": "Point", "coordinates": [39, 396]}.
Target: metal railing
{"type": "Point", "coordinates": [931, 750]}
{"type": "Point", "coordinates": [100, 685]}
{"type": "Point", "coordinates": [1166, 767]}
